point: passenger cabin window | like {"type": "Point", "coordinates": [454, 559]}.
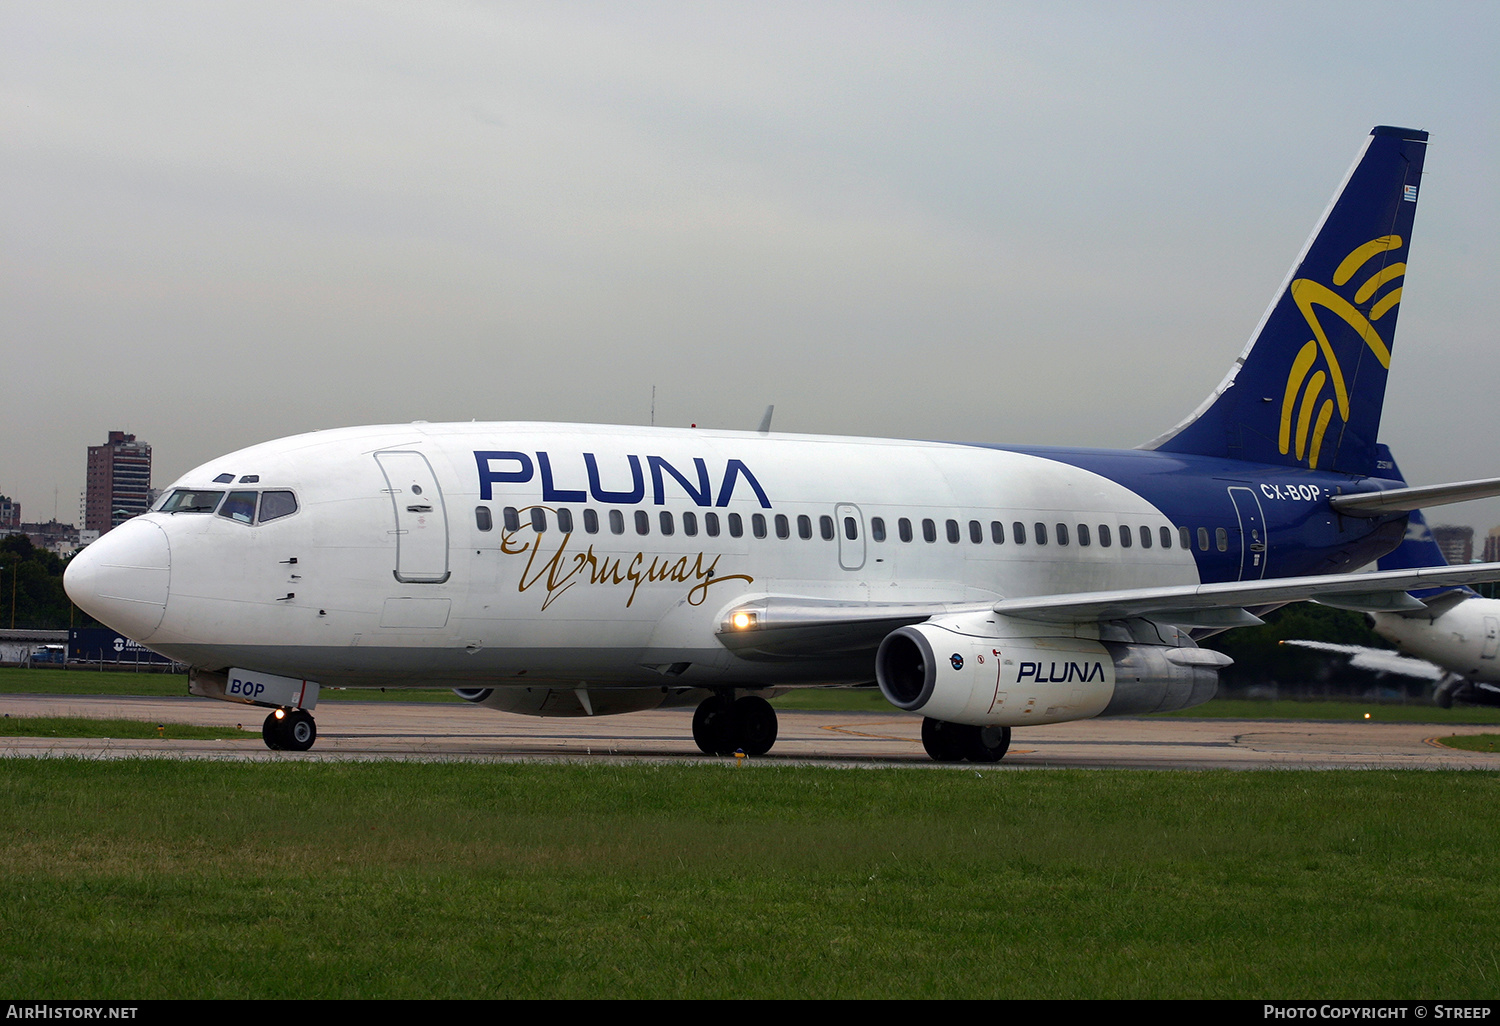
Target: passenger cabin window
{"type": "Point", "coordinates": [482, 518]}
{"type": "Point", "coordinates": [1145, 537]}
{"type": "Point", "coordinates": [1166, 538]}
{"type": "Point", "coordinates": [877, 528]}
{"type": "Point", "coordinates": [565, 521]}
{"type": "Point", "coordinates": [1041, 533]}
{"type": "Point", "coordinates": [1083, 534]}
{"type": "Point", "coordinates": [736, 526]}
{"type": "Point", "coordinates": [1202, 539]}
{"type": "Point", "coordinates": [711, 524]}
{"type": "Point", "coordinates": [1104, 539]}
{"type": "Point", "coordinates": [997, 532]}
{"type": "Point", "coordinates": [825, 527]}
{"type": "Point", "coordinates": [804, 527]}
{"type": "Point", "coordinates": [929, 530]}
{"type": "Point", "coordinates": [1018, 532]}
{"type": "Point", "coordinates": [783, 526]}
{"type": "Point", "coordinates": [904, 526]}
{"type": "Point", "coordinates": [690, 524]}
{"type": "Point", "coordinates": [1062, 534]}
{"type": "Point", "coordinates": [591, 521]}
{"type": "Point", "coordinates": [1184, 537]}
{"type": "Point", "coordinates": [976, 532]}
{"type": "Point", "coordinates": [642, 522]}
{"type": "Point", "coordinates": [758, 525]}
{"type": "Point", "coordinates": [667, 526]}
{"type": "Point", "coordinates": [616, 522]}
{"type": "Point", "coordinates": [851, 528]}
{"type": "Point", "coordinates": [538, 519]}
{"type": "Point", "coordinates": [1221, 539]}
{"type": "Point", "coordinates": [951, 527]}
{"type": "Point", "coordinates": [1124, 537]}
{"type": "Point", "coordinates": [511, 517]}
{"type": "Point", "coordinates": [239, 506]}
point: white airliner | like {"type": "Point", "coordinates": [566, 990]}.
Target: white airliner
{"type": "Point", "coordinates": [1453, 631]}
{"type": "Point", "coordinates": [575, 570]}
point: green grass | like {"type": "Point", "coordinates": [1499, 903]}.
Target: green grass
{"type": "Point", "coordinates": [152, 878]}
{"type": "Point", "coordinates": [1473, 742]}
{"type": "Point", "coordinates": [70, 726]}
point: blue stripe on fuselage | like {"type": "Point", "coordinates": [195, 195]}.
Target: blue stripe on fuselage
{"type": "Point", "coordinates": [1303, 534]}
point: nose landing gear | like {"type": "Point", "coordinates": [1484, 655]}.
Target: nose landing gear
{"type": "Point", "coordinates": [289, 730]}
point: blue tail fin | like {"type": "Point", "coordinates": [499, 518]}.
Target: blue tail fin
{"type": "Point", "coordinates": [1308, 389]}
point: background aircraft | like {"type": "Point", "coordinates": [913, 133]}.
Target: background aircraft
{"type": "Point", "coordinates": [1454, 633]}
{"type": "Point", "coordinates": [564, 570]}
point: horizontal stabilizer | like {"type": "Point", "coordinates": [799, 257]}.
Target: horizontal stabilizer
{"type": "Point", "coordinates": [1404, 500]}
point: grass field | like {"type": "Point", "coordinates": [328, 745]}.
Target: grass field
{"type": "Point", "coordinates": [180, 879]}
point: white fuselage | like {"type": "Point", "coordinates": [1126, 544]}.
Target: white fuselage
{"type": "Point", "coordinates": [1464, 639]}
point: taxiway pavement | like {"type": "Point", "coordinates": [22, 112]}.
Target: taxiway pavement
{"type": "Point", "coordinates": [440, 731]}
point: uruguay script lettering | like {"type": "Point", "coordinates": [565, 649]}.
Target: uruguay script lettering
{"type": "Point", "coordinates": [560, 569]}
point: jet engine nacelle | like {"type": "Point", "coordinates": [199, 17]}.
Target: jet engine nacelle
{"type": "Point", "coordinates": [948, 674]}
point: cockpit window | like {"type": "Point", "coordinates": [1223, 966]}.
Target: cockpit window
{"type": "Point", "coordinates": [239, 506]}
{"type": "Point", "coordinates": [189, 500]}
{"type": "Point", "coordinates": [274, 505]}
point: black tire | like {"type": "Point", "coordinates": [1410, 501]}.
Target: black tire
{"type": "Point", "coordinates": [715, 726]}
{"type": "Point", "coordinates": [298, 731]}
{"type": "Point", "coordinates": [757, 724]}
{"type": "Point", "coordinates": [987, 744]}
{"type": "Point", "coordinates": [270, 732]}
{"type": "Point", "coordinates": [944, 741]}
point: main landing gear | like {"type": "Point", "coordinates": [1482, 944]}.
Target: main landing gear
{"type": "Point", "coordinates": [289, 730]}
{"type": "Point", "coordinates": [955, 742]}
{"type": "Point", "coordinates": [722, 725]}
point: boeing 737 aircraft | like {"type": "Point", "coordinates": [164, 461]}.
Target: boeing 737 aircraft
{"type": "Point", "coordinates": [576, 570]}
{"type": "Point", "coordinates": [1454, 632]}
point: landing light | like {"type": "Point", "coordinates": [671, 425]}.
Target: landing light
{"type": "Point", "coordinates": [742, 621]}
{"type": "Point", "coordinates": [280, 714]}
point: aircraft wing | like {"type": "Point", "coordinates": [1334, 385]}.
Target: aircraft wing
{"type": "Point", "coordinates": [1206, 605]}
{"type": "Point", "coordinates": [791, 628]}
{"type": "Point", "coordinates": [1379, 660]}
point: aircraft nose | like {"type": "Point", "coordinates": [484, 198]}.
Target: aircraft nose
{"type": "Point", "coordinates": [121, 580]}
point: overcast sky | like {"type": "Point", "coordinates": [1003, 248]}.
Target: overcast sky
{"type": "Point", "coordinates": [1036, 223]}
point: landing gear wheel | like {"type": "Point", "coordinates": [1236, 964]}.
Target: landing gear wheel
{"type": "Point", "coordinates": [270, 733]}
{"type": "Point", "coordinates": [987, 744]}
{"type": "Point", "coordinates": [944, 741]}
{"type": "Point", "coordinates": [715, 726]}
{"type": "Point", "coordinates": [757, 724]}
{"type": "Point", "coordinates": [298, 731]}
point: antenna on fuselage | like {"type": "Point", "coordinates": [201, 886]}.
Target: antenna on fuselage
{"type": "Point", "coordinates": [765, 420]}
{"type": "Point", "coordinates": [653, 406]}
